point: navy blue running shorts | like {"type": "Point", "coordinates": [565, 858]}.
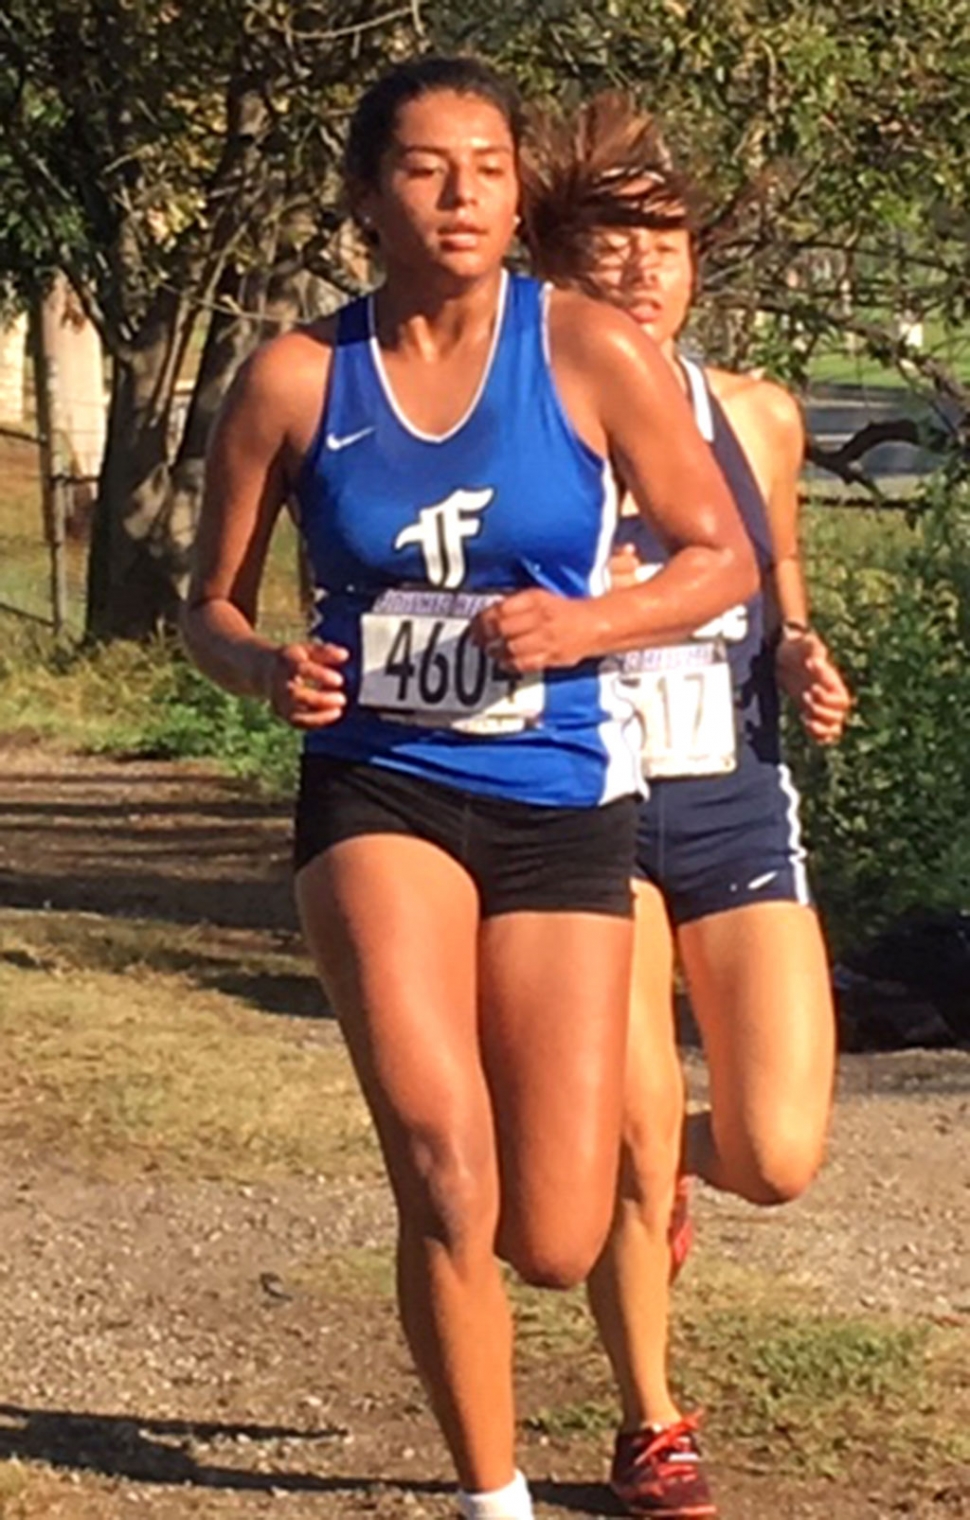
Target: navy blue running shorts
{"type": "Point", "coordinates": [710, 846]}
{"type": "Point", "coordinates": [522, 857]}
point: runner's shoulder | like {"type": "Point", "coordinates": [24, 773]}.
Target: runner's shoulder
{"type": "Point", "coordinates": [281, 384]}
{"type": "Point", "coordinates": [291, 360]}
{"type": "Point", "coordinates": [764, 404]}
{"type": "Point", "coordinates": [587, 331]}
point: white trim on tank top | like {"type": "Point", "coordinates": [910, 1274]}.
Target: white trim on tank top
{"type": "Point", "coordinates": [701, 399]}
{"type": "Point", "coordinates": [385, 384]}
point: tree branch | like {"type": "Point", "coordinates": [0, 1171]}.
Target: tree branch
{"type": "Point", "coordinates": [843, 461]}
{"type": "Point", "coordinates": [358, 28]}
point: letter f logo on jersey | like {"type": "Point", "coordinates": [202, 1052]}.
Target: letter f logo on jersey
{"type": "Point", "coordinates": [441, 531]}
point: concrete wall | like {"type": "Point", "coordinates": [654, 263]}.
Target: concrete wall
{"type": "Point", "coordinates": [13, 353]}
{"type": "Point", "coordinates": [75, 350]}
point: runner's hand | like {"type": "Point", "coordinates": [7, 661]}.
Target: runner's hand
{"type": "Point", "coordinates": [533, 630]}
{"type": "Point", "coordinates": [808, 675]}
{"type": "Point", "coordinates": [304, 684]}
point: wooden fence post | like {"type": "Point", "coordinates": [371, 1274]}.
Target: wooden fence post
{"type": "Point", "coordinates": [52, 477]}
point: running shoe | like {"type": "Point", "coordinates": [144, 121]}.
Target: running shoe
{"type": "Point", "coordinates": [659, 1472]}
{"type": "Point", "coordinates": [680, 1234]}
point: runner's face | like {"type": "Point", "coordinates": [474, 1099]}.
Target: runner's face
{"type": "Point", "coordinates": [448, 192]}
{"type": "Point", "coordinates": [651, 274]}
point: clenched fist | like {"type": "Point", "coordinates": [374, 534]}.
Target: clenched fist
{"type": "Point", "coordinates": [304, 684]}
{"type": "Point", "coordinates": [533, 630]}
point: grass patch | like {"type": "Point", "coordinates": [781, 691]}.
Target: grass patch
{"type": "Point", "coordinates": [198, 720]}
{"type": "Point", "coordinates": [834, 363]}
{"type": "Point", "coordinates": [806, 1392]}
{"type": "Point", "coordinates": [358, 1273]}
{"type": "Point", "coordinates": [126, 1071]}
{"type": "Point", "coordinates": [137, 700]}
{"type": "Point", "coordinates": [13, 1483]}
{"type": "Point", "coordinates": [97, 700]}
{"type": "Point", "coordinates": [784, 1383]}
{"type": "Point", "coordinates": [256, 968]}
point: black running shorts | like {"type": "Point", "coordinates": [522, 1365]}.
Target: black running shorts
{"type": "Point", "coordinates": [521, 857]}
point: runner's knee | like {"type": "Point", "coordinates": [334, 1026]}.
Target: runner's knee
{"type": "Point", "coordinates": [651, 1150]}
{"type": "Point", "coordinates": [447, 1190]}
{"type": "Point", "coordinates": [552, 1263]}
{"type": "Point", "coordinates": [555, 1247]}
{"type": "Point", "coordinates": [778, 1168]}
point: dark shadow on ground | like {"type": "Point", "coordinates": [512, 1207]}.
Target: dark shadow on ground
{"type": "Point", "coordinates": [158, 1451]}
{"type": "Point", "coordinates": [579, 1498]}
{"type": "Point", "coordinates": [285, 994]}
{"type": "Point", "coordinates": [290, 996]}
{"type": "Point", "coordinates": [231, 904]}
{"type": "Point", "coordinates": [237, 809]}
{"type": "Point", "coordinates": [160, 841]}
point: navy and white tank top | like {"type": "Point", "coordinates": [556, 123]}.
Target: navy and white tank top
{"type": "Point", "coordinates": [408, 534]}
{"type": "Point", "coordinates": [740, 630]}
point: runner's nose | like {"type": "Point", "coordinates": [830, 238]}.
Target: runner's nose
{"type": "Point", "coordinates": [460, 187]}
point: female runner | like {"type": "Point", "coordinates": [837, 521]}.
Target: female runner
{"type": "Point", "coordinates": [465, 820]}
{"type": "Point", "coordinates": [720, 867]}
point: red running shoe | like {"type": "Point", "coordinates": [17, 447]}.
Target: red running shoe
{"type": "Point", "coordinates": [680, 1232]}
{"type": "Point", "coordinates": [659, 1472]}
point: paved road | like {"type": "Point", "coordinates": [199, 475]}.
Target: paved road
{"type": "Point", "coordinates": [836, 413]}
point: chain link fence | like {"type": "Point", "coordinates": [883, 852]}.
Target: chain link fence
{"type": "Point", "coordinates": [28, 573]}
{"type": "Point", "coordinates": [38, 585]}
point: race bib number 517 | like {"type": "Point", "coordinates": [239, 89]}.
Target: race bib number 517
{"type": "Point", "coordinates": [420, 664]}
{"type": "Point", "coordinates": [685, 701]}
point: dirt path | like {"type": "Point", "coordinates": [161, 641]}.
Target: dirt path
{"type": "Point", "coordinates": [189, 1347]}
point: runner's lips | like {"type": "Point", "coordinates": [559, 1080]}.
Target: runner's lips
{"type": "Point", "coordinates": [450, 234]}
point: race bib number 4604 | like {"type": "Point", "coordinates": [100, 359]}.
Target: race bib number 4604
{"type": "Point", "coordinates": [685, 702]}
{"type": "Point", "coordinates": [420, 664]}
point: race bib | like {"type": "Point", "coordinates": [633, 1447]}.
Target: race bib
{"type": "Point", "coordinates": [684, 699]}
{"type": "Point", "coordinates": [420, 664]}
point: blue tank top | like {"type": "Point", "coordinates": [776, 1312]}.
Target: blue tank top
{"type": "Point", "coordinates": [408, 534]}
{"type": "Point", "coordinates": [742, 628]}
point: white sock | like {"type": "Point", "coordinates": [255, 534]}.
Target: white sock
{"type": "Point", "coordinates": [509, 1503]}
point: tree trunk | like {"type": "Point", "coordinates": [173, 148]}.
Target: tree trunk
{"type": "Point", "coordinates": [147, 508]}
{"type": "Point", "coordinates": [130, 596]}
{"type": "Point", "coordinates": [132, 571]}
{"type": "Point", "coordinates": [250, 307]}
{"type": "Point", "coordinates": [234, 331]}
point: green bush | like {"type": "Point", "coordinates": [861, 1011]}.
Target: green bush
{"type": "Point", "coordinates": [887, 812]}
{"type": "Point", "coordinates": [199, 719]}
{"type": "Point", "coordinates": [137, 699]}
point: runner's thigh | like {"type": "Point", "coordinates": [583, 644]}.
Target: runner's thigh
{"type": "Point", "coordinates": [554, 999]}
{"type": "Point", "coordinates": [653, 1103]}
{"type": "Point", "coordinates": [761, 993]}
{"type": "Point", "coordinates": [393, 923]}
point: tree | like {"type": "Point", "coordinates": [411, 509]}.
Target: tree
{"type": "Point", "coordinates": [832, 142]}
{"type": "Point", "coordinates": [166, 156]}
{"type": "Point", "coordinates": [177, 158]}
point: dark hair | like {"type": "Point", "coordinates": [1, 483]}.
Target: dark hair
{"type": "Point", "coordinates": [604, 166]}
{"type": "Point", "coordinates": [373, 122]}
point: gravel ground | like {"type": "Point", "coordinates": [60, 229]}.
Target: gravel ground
{"type": "Point", "coordinates": [175, 1349]}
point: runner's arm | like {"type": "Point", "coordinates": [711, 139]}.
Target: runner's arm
{"type": "Point", "coordinates": [624, 402]}
{"type": "Point", "coordinates": [247, 481]}
{"type": "Point", "coordinates": [805, 668]}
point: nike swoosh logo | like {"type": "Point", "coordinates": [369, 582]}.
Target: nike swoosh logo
{"type": "Point", "coordinates": [761, 881]}
{"type": "Point", "coordinates": [334, 442]}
